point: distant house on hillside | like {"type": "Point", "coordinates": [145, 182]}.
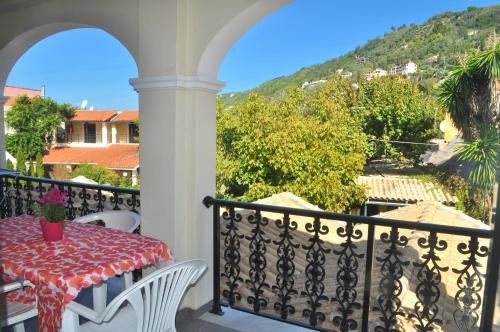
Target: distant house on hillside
{"type": "Point", "coordinates": [362, 60]}
{"type": "Point", "coordinates": [12, 92]}
{"type": "Point", "coordinates": [404, 69]}
{"type": "Point", "coordinates": [104, 137]}
{"type": "Point", "coordinates": [343, 73]}
{"type": "Point", "coordinates": [388, 192]}
{"type": "Point", "coordinates": [310, 84]}
{"type": "Point", "coordinates": [379, 72]}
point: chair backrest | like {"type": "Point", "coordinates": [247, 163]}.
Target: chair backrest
{"type": "Point", "coordinates": [122, 220]}
{"type": "Point", "coordinates": [156, 298]}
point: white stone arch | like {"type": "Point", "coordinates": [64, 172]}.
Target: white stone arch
{"type": "Point", "coordinates": [226, 37]}
{"type": "Point", "coordinates": [19, 45]}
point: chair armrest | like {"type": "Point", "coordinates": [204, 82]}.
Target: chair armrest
{"type": "Point", "coordinates": [14, 286]}
{"type": "Point", "coordinates": [85, 312]}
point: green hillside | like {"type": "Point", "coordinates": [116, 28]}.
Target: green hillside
{"type": "Point", "coordinates": [433, 46]}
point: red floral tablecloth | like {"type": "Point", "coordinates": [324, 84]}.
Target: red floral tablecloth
{"type": "Point", "coordinates": [87, 255]}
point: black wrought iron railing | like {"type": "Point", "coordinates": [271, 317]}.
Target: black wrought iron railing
{"type": "Point", "coordinates": [18, 195]}
{"type": "Point", "coordinates": [338, 272]}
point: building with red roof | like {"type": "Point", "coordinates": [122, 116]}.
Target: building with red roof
{"type": "Point", "coordinates": [100, 127]}
{"type": "Point", "coordinates": [114, 156]}
{"type": "Point", "coordinates": [12, 92]}
{"type": "Point", "coordinates": [105, 137]}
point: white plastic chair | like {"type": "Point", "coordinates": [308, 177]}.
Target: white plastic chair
{"type": "Point", "coordinates": [15, 313]}
{"type": "Point", "coordinates": [122, 220]}
{"type": "Point", "coordinates": [152, 303]}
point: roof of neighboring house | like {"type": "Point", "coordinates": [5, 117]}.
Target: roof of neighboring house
{"type": "Point", "coordinates": [116, 156]}
{"type": "Point", "coordinates": [126, 116]}
{"type": "Point", "coordinates": [434, 213]}
{"type": "Point", "coordinates": [104, 116]}
{"type": "Point", "coordinates": [83, 179]}
{"type": "Point", "coordinates": [403, 189]}
{"type": "Point", "coordinates": [13, 92]}
{"type": "Point", "coordinates": [97, 116]}
{"type": "Point", "coordinates": [287, 199]}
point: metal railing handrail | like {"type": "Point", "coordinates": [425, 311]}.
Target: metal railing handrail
{"type": "Point", "coordinates": [376, 221]}
{"type": "Point", "coordinates": [19, 193]}
{"type": "Point", "coordinates": [101, 187]}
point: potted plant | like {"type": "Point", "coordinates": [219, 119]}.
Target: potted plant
{"type": "Point", "coordinates": [52, 212]}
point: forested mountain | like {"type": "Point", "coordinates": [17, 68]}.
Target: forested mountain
{"type": "Point", "coordinates": [433, 46]}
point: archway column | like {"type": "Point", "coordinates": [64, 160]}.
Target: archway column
{"type": "Point", "coordinates": [3, 100]}
{"type": "Point", "coordinates": [177, 154]}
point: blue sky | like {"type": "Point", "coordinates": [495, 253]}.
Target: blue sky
{"type": "Point", "coordinates": [90, 64]}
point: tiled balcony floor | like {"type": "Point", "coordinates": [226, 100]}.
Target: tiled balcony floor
{"type": "Point", "coordinates": [234, 320]}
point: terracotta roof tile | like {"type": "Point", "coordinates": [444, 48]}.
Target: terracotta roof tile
{"type": "Point", "coordinates": [117, 156]}
{"type": "Point", "coordinates": [13, 92]}
{"type": "Point", "coordinates": [97, 116]}
{"type": "Point", "coordinates": [126, 116]}
{"type": "Point", "coordinates": [403, 189]}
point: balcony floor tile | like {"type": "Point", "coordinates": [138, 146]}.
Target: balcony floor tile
{"type": "Point", "coordinates": [234, 320]}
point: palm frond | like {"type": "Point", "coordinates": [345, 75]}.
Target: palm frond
{"type": "Point", "coordinates": [487, 62]}
{"type": "Point", "coordinates": [483, 154]}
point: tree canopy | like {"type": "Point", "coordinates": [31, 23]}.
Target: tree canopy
{"type": "Point", "coordinates": [311, 145]}
{"type": "Point", "coordinates": [33, 121]}
{"type": "Point", "coordinates": [393, 108]}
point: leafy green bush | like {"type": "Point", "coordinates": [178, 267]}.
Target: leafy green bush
{"type": "Point", "coordinates": [309, 144]}
{"type": "Point", "coordinates": [21, 162]}
{"type": "Point", "coordinates": [97, 173]}
{"type": "Point", "coordinates": [469, 200]}
{"type": "Point", "coordinates": [34, 121]}
{"type": "Point", "coordinates": [40, 172]}
{"type": "Point", "coordinates": [9, 165]}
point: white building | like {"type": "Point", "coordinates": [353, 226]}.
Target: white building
{"type": "Point", "coordinates": [379, 72]}
{"type": "Point", "coordinates": [311, 84]}
{"type": "Point", "coordinates": [405, 69]}
{"type": "Point", "coordinates": [343, 73]}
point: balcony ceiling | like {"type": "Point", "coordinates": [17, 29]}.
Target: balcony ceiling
{"type": "Point", "coordinates": [11, 5]}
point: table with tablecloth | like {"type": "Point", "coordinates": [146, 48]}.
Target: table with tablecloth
{"type": "Point", "coordinates": [87, 255]}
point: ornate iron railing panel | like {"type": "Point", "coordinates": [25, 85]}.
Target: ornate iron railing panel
{"type": "Point", "coordinates": [338, 272]}
{"type": "Point", "coordinates": [391, 287]}
{"type": "Point", "coordinates": [19, 194]}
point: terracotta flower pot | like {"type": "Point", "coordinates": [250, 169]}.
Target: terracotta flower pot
{"type": "Point", "coordinates": [52, 231]}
